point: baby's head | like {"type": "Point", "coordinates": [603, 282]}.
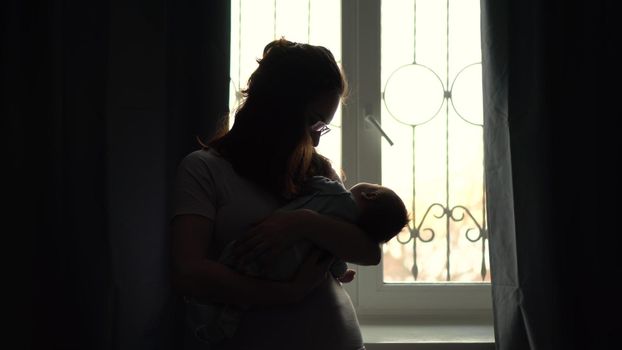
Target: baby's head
{"type": "Point", "coordinates": [382, 212]}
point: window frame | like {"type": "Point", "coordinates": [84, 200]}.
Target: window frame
{"type": "Point", "coordinates": [361, 161]}
{"type": "Point", "coordinates": [361, 149]}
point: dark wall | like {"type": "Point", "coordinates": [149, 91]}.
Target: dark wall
{"type": "Point", "coordinates": [564, 72]}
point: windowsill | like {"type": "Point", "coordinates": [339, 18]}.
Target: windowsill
{"type": "Point", "coordinates": [389, 332]}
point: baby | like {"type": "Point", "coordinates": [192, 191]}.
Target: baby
{"type": "Point", "coordinates": [376, 209]}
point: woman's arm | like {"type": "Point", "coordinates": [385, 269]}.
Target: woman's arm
{"type": "Point", "coordinates": [193, 274]}
{"type": "Point", "coordinates": [339, 237]}
{"type": "Point", "coordinates": [279, 231]}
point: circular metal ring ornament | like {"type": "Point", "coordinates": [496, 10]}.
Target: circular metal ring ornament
{"type": "Point", "coordinates": [413, 94]}
{"type": "Point", "coordinates": [467, 91]}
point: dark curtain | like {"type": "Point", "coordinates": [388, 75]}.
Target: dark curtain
{"type": "Point", "coordinates": [551, 84]}
{"type": "Point", "coordinates": [198, 41]}
{"type": "Point", "coordinates": [54, 72]}
{"type": "Point", "coordinates": [100, 100]}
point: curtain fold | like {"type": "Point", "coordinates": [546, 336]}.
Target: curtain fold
{"type": "Point", "coordinates": [54, 66]}
{"type": "Point", "coordinates": [136, 143]}
{"type": "Point", "coordinates": [198, 51]}
{"type": "Point", "coordinates": [167, 84]}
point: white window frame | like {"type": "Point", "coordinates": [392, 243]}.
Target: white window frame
{"type": "Point", "coordinates": [361, 152]}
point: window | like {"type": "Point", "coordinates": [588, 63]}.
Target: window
{"type": "Point", "coordinates": [413, 122]}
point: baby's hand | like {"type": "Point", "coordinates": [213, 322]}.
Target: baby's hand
{"type": "Point", "coordinates": [347, 277]}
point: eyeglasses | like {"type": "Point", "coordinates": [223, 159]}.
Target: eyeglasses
{"type": "Point", "coordinates": [320, 127]}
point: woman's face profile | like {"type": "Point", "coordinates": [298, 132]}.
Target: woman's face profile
{"type": "Point", "coordinates": [322, 109]}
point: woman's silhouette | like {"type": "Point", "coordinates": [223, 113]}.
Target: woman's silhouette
{"type": "Point", "coordinates": [234, 184]}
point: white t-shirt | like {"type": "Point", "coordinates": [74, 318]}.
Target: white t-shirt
{"type": "Point", "coordinates": [207, 185]}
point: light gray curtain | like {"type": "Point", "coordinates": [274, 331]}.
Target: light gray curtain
{"type": "Point", "coordinates": [509, 327]}
{"type": "Point", "coordinates": [518, 175]}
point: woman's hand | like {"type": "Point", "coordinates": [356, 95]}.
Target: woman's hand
{"type": "Point", "coordinates": [280, 230]}
{"type": "Point", "coordinates": [269, 238]}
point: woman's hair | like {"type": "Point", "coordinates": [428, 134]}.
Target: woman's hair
{"type": "Point", "coordinates": [269, 142]}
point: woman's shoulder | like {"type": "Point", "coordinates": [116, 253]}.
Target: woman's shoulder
{"type": "Point", "coordinates": [206, 165]}
{"type": "Point", "coordinates": [204, 157]}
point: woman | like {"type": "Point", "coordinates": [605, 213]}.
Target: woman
{"type": "Point", "coordinates": [236, 182]}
